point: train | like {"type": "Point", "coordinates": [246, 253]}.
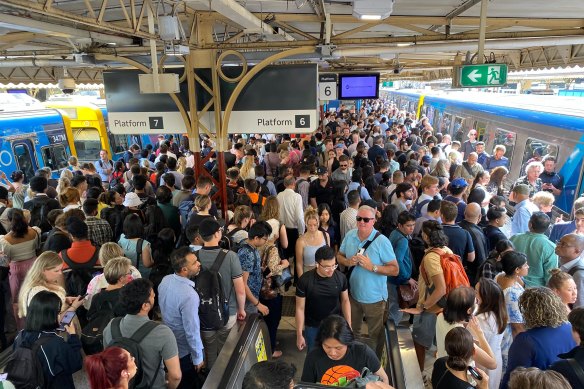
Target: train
{"type": "Point", "coordinates": [522, 123]}
{"type": "Point", "coordinates": [35, 134]}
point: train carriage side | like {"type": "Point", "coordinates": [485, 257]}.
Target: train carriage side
{"type": "Point", "coordinates": [33, 139]}
{"type": "Point", "coordinates": [523, 132]}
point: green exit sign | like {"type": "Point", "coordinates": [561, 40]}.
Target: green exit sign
{"type": "Point", "coordinates": [387, 84]}
{"type": "Point", "coordinates": [473, 76]}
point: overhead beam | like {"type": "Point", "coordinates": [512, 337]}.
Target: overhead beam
{"type": "Point", "coordinates": [69, 17]}
{"type": "Point", "coordinates": [353, 31]}
{"type": "Point", "coordinates": [293, 29]}
{"type": "Point", "coordinates": [401, 39]}
{"type": "Point", "coordinates": [411, 27]}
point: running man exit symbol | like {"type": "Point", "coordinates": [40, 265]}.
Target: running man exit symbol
{"type": "Point", "coordinates": [473, 76]}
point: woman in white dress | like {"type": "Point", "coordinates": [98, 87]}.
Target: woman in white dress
{"type": "Point", "coordinates": [492, 317]}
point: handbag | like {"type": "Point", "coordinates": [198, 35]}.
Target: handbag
{"type": "Point", "coordinates": [268, 291]}
{"type": "Point", "coordinates": [407, 296]}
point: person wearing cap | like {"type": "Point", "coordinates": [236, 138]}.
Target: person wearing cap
{"type": "Point", "coordinates": [321, 190]}
{"type": "Point", "coordinates": [531, 178]}
{"type": "Point", "coordinates": [540, 251]}
{"type": "Point", "coordinates": [456, 190]}
{"type": "Point", "coordinates": [469, 145]}
{"type": "Point", "coordinates": [231, 281]}
{"type": "Point", "coordinates": [470, 168]}
{"type": "Point", "coordinates": [426, 160]}
{"type": "Point", "coordinates": [524, 208]}
{"type": "Point", "coordinates": [132, 202]}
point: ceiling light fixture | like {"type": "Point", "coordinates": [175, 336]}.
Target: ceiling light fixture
{"type": "Point", "coordinates": [372, 9]}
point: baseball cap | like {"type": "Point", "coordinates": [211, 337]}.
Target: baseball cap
{"type": "Point", "coordinates": [321, 170]}
{"type": "Point", "coordinates": [340, 146]}
{"type": "Point", "coordinates": [459, 183]}
{"type": "Point", "coordinates": [208, 227]}
{"type": "Point", "coordinates": [426, 158]}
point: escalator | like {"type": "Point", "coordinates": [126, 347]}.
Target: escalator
{"type": "Point", "coordinates": [248, 343]}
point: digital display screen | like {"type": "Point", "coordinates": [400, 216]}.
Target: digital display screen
{"type": "Point", "coordinates": [358, 86]}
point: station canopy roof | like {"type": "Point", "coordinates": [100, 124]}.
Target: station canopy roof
{"type": "Point", "coordinates": [40, 40]}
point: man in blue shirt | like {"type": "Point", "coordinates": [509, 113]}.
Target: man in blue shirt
{"type": "Point", "coordinates": [399, 239]}
{"type": "Point", "coordinates": [498, 159]}
{"type": "Point", "coordinates": [179, 305]}
{"type": "Point", "coordinates": [552, 181]}
{"type": "Point", "coordinates": [104, 167]}
{"type": "Point", "coordinates": [250, 259]}
{"type": "Point", "coordinates": [523, 210]}
{"type": "Point", "coordinates": [371, 266]}
{"type": "Point", "coordinates": [482, 155]}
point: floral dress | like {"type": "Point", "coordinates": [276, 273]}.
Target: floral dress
{"type": "Point", "coordinates": [512, 295]}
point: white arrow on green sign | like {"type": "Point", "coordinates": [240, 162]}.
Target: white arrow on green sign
{"type": "Point", "coordinates": [473, 76]}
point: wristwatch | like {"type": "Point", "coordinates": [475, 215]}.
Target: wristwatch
{"type": "Point", "coordinates": [374, 268]}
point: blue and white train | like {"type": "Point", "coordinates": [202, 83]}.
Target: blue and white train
{"type": "Point", "coordinates": [523, 123]}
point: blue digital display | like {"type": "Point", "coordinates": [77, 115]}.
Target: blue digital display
{"type": "Point", "coordinates": [358, 86]}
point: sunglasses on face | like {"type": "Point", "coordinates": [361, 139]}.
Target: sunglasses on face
{"type": "Point", "coordinates": [364, 219]}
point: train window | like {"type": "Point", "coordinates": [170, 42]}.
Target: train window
{"type": "Point", "coordinates": [445, 125]}
{"type": "Point", "coordinates": [24, 160]}
{"type": "Point", "coordinates": [457, 130]}
{"type": "Point", "coordinates": [481, 128]}
{"type": "Point", "coordinates": [536, 150]}
{"type": "Point", "coordinates": [87, 144]}
{"type": "Point", "coordinates": [119, 143]}
{"type": "Point", "coordinates": [55, 157]}
{"type": "Point", "coordinates": [430, 115]}
{"type": "Point", "coordinates": [437, 118]}
{"type": "Point", "coordinates": [507, 139]}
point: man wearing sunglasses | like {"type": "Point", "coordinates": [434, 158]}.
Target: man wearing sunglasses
{"type": "Point", "coordinates": [371, 256]}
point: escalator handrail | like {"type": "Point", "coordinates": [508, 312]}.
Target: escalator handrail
{"type": "Point", "coordinates": [394, 368]}
{"type": "Point", "coordinates": [252, 322]}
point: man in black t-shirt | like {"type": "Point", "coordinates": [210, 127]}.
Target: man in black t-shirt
{"type": "Point", "coordinates": [320, 293]}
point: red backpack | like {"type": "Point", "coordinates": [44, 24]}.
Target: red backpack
{"type": "Point", "coordinates": [454, 274]}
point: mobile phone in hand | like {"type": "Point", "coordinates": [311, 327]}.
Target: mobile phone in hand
{"type": "Point", "coordinates": [473, 372]}
{"type": "Point", "coordinates": [66, 320]}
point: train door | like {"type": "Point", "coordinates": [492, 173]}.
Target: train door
{"type": "Point", "coordinates": [25, 159]}
{"type": "Point", "coordinates": [457, 129]}
{"type": "Point", "coordinates": [445, 125]}
{"type": "Point", "coordinates": [481, 128]}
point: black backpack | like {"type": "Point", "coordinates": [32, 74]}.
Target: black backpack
{"type": "Point", "coordinates": [92, 332]}
{"type": "Point", "coordinates": [214, 306]}
{"type": "Point", "coordinates": [78, 276]}
{"type": "Point", "coordinates": [257, 207]}
{"type": "Point", "coordinates": [24, 368]}
{"type": "Point", "coordinates": [38, 215]}
{"type": "Point", "coordinates": [132, 345]}
{"type": "Point", "coordinates": [264, 190]}
{"type": "Point", "coordinates": [115, 217]}
{"type": "Point", "coordinates": [228, 242]}
{"type": "Point", "coordinates": [416, 209]}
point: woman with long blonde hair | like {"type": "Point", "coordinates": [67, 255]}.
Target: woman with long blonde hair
{"type": "Point", "coordinates": [248, 168]}
{"type": "Point", "coordinates": [46, 274]}
{"type": "Point", "coordinates": [309, 242]}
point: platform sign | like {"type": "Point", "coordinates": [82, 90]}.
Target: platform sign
{"type": "Point", "coordinates": [327, 86]}
{"type": "Point", "coordinates": [276, 100]}
{"type": "Point", "coordinates": [476, 76]}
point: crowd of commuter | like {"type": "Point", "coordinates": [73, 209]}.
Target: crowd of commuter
{"type": "Point", "coordinates": [373, 217]}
